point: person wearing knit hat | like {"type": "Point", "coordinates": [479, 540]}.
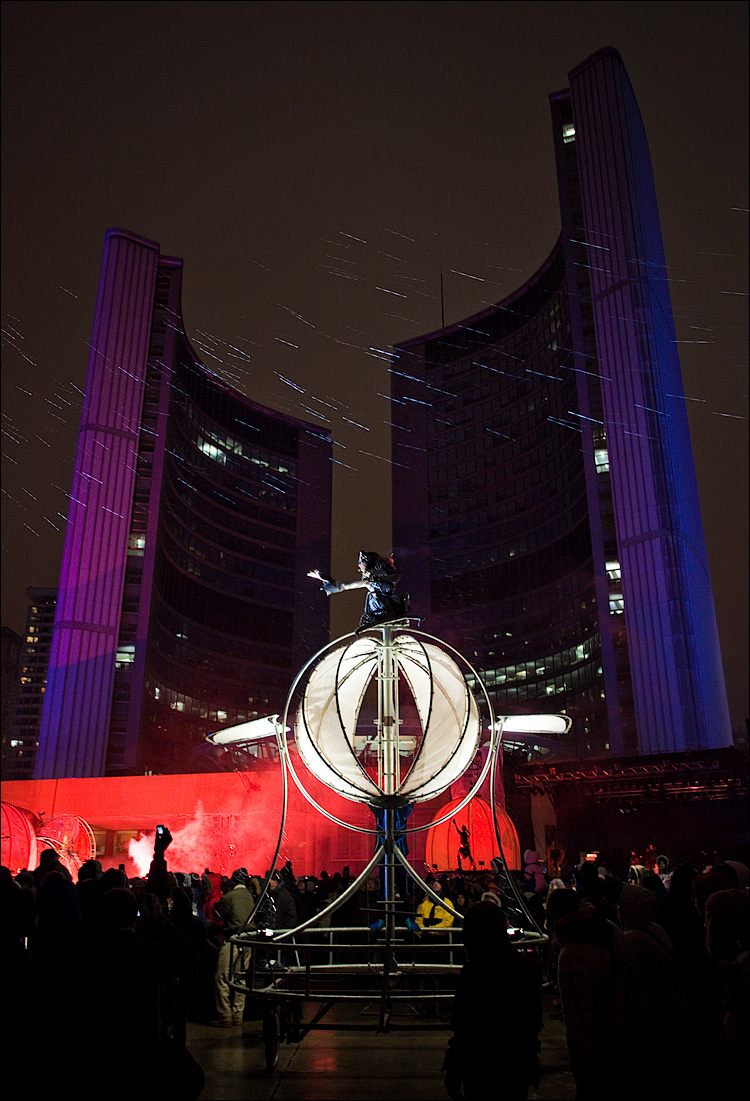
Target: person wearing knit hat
{"type": "Point", "coordinates": [234, 910]}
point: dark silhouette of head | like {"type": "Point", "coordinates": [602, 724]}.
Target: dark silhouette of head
{"type": "Point", "coordinates": [117, 909]}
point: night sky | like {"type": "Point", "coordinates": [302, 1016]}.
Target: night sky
{"type": "Point", "coordinates": [317, 166]}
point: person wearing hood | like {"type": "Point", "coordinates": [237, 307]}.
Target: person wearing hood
{"type": "Point", "coordinates": [602, 998]}
{"type": "Point", "coordinates": [432, 920]}
{"type": "Point", "coordinates": [534, 872]}
{"type": "Point", "coordinates": [741, 871]}
{"type": "Point", "coordinates": [669, 1020]}
{"type": "Point", "coordinates": [49, 861]}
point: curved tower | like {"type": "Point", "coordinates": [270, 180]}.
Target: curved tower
{"type": "Point", "coordinates": [194, 514]}
{"type": "Point", "coordinates": [549, 508]}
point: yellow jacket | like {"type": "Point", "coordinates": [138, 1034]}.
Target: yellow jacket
{"type": "Point", "coordinates": [432, 917]}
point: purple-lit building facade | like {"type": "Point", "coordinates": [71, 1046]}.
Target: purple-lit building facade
{"type": "Point", "coordinates": [195, 514]}
{"type": "Point", "coordinates": [546, 514]}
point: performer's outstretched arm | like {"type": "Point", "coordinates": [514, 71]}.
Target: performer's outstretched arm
{"type": "Point", "coordinates": [331, 586]}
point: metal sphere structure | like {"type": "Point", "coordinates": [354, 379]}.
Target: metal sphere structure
{"type": "Point", "coordinates": [373, 765]}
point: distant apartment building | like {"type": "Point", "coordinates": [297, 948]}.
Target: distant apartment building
{"type": "Point", "coordinates": [10, 661]}
{"type": "Point", "coordinates": [20, 747]}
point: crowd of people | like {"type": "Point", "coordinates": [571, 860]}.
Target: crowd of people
{"type": "Point", "coordinates": [648, 966]}
{"type": "Point", "coordinates": [651, 969]}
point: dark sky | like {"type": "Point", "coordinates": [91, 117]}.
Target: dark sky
{"type": "Point", "coordinates": [317, 165]}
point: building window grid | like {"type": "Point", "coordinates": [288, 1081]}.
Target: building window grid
{"type": "Point", "coordinates": [186, 452]}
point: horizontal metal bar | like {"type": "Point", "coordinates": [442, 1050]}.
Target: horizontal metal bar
{"type": "Point", "coordinates": [407, 996]}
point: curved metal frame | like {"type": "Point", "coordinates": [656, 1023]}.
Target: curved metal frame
{"type": "Point", "coordinates": [284, 748]}
{"type": "Point", "coordinates": [388, 851]}
{"type": "Point", "coordinates": [490, 765]}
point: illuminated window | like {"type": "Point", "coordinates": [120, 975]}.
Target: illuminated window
{"type": "Point", "coordinates": [613, 570]}
{"type": "Point", "coordinates": [616, 604]}
{"type": "Point", "coordinates": [125, 656]}
{"type": "Point", "coordinates": [601, 459]}
{"type": "Point", "coordinates": [569, 133]}
{"type": "Point", "coordinates": [136, 543]}
{"type": "Point", "coordinates": [213, 452]}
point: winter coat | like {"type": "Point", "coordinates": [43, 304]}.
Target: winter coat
{"type": "Point", "coordinates": [496, 1015]}
{"type": "Point", "coordinates": [533, 872]}
{"type": "Point", "coordinates": [286, 909]}
{"type": "Point", "coordinates": [234, 909]}
{"type": "Point", "coordinates": [668, 1016]}
{"type": "Point", "coordinates": [432, 917]}
{"type": "Point", "coordinates": [603, 1002]}
{"type": "Point", "coordinates": [669, 1013]}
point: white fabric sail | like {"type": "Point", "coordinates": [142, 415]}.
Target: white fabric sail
{"type": "Point", "coordinates": [326, 724]}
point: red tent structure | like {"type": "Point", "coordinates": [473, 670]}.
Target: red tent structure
{"type": "Point", "coordinates": [444, 841]}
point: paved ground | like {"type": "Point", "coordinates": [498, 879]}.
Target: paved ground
{"type": "Point", "coordinates": [352, 1066]}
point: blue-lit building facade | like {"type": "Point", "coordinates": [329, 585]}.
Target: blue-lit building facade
{"type": "Point", "coordinates": [195, 515]}
{"type": "Point", "coordinates": [546, 513]}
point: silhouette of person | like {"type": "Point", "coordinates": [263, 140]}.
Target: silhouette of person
{"type": "Point", "coordinates": [379, 576]}
{"type": "Point", "coordinates": [464, 846]}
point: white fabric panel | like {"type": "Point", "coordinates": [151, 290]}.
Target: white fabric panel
{"type": "Point", "coordinates": [326, 725]}
{"type": "Point", "coordinates": [328, 753]}
{"type": "Point", "coordinates": [320, 767]}
{"type": "Point", "coordinates": [358, 663]}
{"type": "Point", "coordinates": [453, 730]}
{"type": "Point", "coordinates": [414, 661]}
{"type": "Point", "coordinates": [447, 717]}
{"type": "Point", "coordinates": [464, 755]}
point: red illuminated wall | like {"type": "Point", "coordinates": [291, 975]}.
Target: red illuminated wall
{"type": "Point", "coordinates": [219, 820]}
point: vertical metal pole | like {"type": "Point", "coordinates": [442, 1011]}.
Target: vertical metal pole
{"type": "Point", "coordinates": [388, 713]}
{"type": "Point", "coordinates": [388, 768]}
{"type": "Point", "coordinates": [388, 753]}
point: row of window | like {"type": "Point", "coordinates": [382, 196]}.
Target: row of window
{"type": "Point", "coordinates": [222, 579]}
{"type": "Point", "coordinates": [557, 662]}
{"type": "Point", "coordinates": [274, 533]}
{"type": "Point", "coordinates": [211, 407]}
{"type": "Point", "coordinates": [530, 311]}
{"type": "Point", "coordinates": [252, 565]}
{"type": "Point", "coordinates": [254, 485]}
{"type": "Point", "coordinates": [246, 533]}
{"type": "Point", "coordinates": [499, 547]}
{"type": "Point", "coordinates": [196, 642]}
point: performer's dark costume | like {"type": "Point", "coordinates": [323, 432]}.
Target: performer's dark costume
{"type": "Point", "coordinates": [379, 577]}
{"type": "Point", "coordinates": [464, 848]}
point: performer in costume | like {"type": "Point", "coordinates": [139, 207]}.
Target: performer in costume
{"type": "Point", "coordinates": [464, 847]}
{"type": "Point", "coordinates": [379, 576]}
